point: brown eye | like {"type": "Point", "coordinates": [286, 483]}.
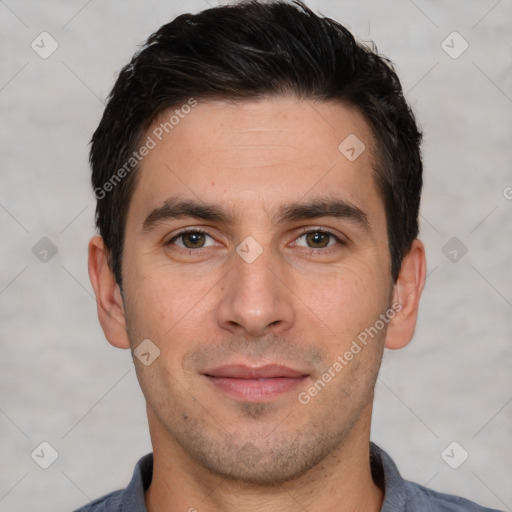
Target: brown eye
{"type": "Point", "coordinates": [318, 239]}
{"type": "Point", "coordinates": [192, 240]}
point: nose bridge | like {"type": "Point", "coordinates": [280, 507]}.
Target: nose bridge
{"type": "Point", "coordinates": [253, 283]}
{"type": "Point", "coordinates": [254, 279]}
{"type": "Point", "coordinates": [254, 300]}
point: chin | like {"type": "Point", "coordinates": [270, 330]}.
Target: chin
{"type": "Point", "coordinates": [262, 464]}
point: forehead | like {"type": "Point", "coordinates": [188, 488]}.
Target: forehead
{"type": "Point", "coordinates": [259, 154]}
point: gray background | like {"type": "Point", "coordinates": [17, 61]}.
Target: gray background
{"type": "Point", "coordinates": [62, 383]}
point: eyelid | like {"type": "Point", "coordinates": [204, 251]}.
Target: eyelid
{"type": "Point", "coordinates": [184, 231]}
{"type": "Point", "coordinates": [318, 229]}
{"type": "Point", "coordinates": [302, 231]}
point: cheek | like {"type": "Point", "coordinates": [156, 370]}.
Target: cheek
{"type": "Point", "coordinates": [167, 306]}
{"type": "Point", "coordinates": [347, 299]}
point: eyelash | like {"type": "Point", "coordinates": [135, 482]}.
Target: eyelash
{"type": "Point", "coordinates": [305, 232]}
{"type": "Point", "coordinates": [329, 248]}
{"type": "Point", "coordinates": [186, 231]}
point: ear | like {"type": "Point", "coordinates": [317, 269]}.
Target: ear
{"type": "Point", "coordinates": [108, 295]}
{"type": "Point", "coordinates": [406, 295]}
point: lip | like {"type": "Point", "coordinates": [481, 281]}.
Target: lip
{"type": "Point", "coordinates": [255, 384]}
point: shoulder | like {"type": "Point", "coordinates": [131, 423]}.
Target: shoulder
{"type": "Point", "coordinates": [130, 499]}
{"type": "Point", "coordinates": [404, 496]}
{"type": "Point", "coordinates": [429, 500]}
{"type": "Point", "coordinates": [107, 503]}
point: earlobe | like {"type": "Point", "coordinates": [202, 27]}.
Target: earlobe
{"type": "Point", "coordinates": [108, 295]}
{"type": "Point", "coordinates": [407, 292]}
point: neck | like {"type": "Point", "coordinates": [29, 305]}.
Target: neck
{"type": "Point", "coordinates": [340, 482]}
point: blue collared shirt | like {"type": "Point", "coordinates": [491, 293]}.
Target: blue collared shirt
{"type": "Point", "coordinates": [400, 495]}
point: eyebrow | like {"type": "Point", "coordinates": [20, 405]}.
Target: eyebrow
{"type": "Point", "coordinates": [176, 208]}
{"type": "Point", "coordinates": [323, 207]}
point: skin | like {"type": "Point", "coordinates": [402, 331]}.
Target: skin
{"type": "Point", "coordinates": [300, 303]}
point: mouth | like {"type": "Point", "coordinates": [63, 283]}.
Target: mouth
{"type": "Point", "coordinates": [254, 384]}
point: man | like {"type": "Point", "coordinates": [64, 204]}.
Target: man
{"type": "Point", "coordinates": [258, 177]}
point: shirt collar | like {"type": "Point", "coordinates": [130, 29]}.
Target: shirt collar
{"type": "Point", "coordinates": [133, 496]}
{"type": "Point", "coordinates": [386, 475]}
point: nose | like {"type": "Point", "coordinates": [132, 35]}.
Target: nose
{"type": "Point", "coordinates": [255, 300]}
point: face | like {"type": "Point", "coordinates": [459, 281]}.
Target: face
{"type": "Point", "coordinates": [255, 255]}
